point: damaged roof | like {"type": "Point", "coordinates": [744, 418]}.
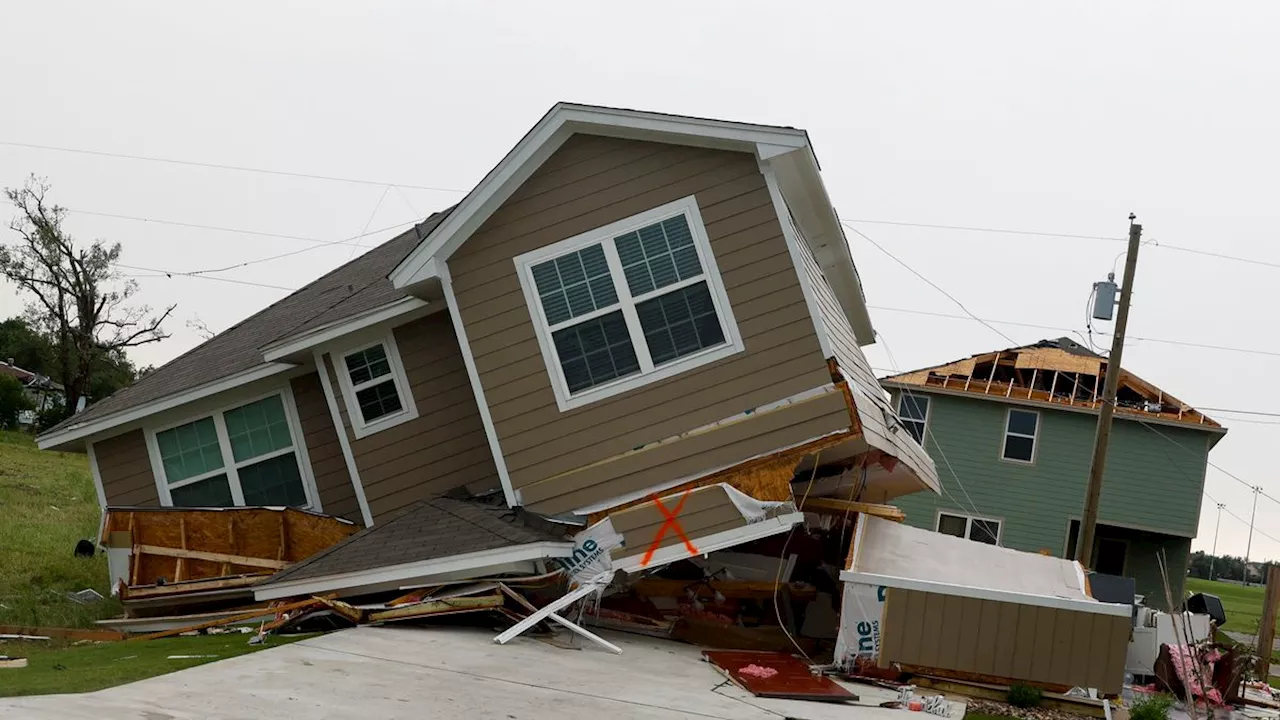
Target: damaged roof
{"type": "Point", "coordinates": [346, 291]}
{"type": "Point", "coordinates": [1057, 372]}
{"type": "Point", "coordinates": [433, 529]}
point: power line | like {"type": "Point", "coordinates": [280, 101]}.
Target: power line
{"type": "Point", "coordinates": [1073, 236]}
{"type": "Point", "coordinates": [170, 274]}
{"type": "Point", "coordinates": [216, 228]}
{"type": "Point", "coordinates": [300, 251]}
{"type": "Point", "coordinates": [219, 166]}
{"type": "Point", "coordinates": [931, 283]}
{"type": "Point", "coordinates": [1182, 343]}
{"type": "Point", "coordinates": [989, 230]}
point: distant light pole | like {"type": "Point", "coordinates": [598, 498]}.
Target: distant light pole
{"type": "Point", "coordinates": [1216, 525]}
{"type": "Point", "coordinates": [1249, 546]}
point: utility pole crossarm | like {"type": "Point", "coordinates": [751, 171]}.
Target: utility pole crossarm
{"type": "Point", "coordinates": [1089, 521]}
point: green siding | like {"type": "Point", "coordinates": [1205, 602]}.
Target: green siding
{"type": "Point", "coordinates": [1150, 483]}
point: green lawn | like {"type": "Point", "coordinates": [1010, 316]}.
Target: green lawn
{"type": "Point", "coordinates": [63, 668]}
{"type": "Point", "coordinates": [48, 503]}
{"type": "Point", "coordinates": [1242, 604]}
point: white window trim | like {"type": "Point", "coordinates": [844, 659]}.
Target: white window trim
{"type": "Point", "coordinates": [968, 525]}
{"type": "Point", "coordinates": [298, 448]}
{"type": "Point", "coordinates": [604, 236]}
{"type": "Point", "coordinates": [1035, 438]}
{"type": "Point", "coordinates": [409, 409]}
{"type": "Point", "coordinates": [928, 412]}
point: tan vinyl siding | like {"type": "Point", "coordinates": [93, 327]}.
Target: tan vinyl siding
{"type": "Point", "coordinates": [706, 511]}
{"type": "Point", "coordinates": [445, 446]}
{"type": "Point", "coordinates": [588, 183]}
{"type": "Point", "coordinates": [328, 465]}
{"type": "Point", "coordinates": [1004, 640]}
{"type": "Point", "coordinates": [125, 469]}
{"type": "Point", "coordinates": [752, 436]}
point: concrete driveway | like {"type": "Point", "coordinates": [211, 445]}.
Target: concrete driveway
{"type": "Point", "coordinates": [401, 672]}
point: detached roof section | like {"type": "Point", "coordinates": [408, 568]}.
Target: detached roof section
{"type": "Point", "coordinates": [1058, 372]}
{"type": "Point", "coordinates": [344, 292]}
{"type": "Point", "coordinates": [432, 539]}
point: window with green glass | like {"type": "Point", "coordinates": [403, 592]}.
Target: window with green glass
{"type": "Point", "coordinates": [241, 456]}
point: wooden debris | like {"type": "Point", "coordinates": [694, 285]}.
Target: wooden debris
{"type": "Point", "coordinates": [182, 554]}
{"type": "Point", "coordinates": [350, 612]}
{"type": "Point", "coordinates": [64, 633]}
{"type": "Point", "coordinates": [836, 506]}
{"type": "Point", "coordinates": [193, 586]}
{"type": "Point", "coordinates": [7, 663]}
{"type": "Point", "coordinates": [258, 612]}
{"type": "Point", "coordinates": [736, 589]}
{"type": "Point", "coordinates": [437, 607]}
{"type": "Point", "coordinates": [176, 545]}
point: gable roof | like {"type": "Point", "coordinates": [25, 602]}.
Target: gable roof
{"type": "Point", "coordinates": [236, 353]}
{"type": "Point", "coordinates": [785, 150]}
{"type": "Point", "coordinates": [1061, 373]}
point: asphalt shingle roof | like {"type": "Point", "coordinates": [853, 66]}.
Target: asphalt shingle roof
{"type": "Point", "coordinates": [435, 528]}
{"type": "Point", "coordinates": [348, 290]}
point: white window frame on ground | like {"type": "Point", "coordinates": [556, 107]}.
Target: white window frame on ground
{"type": "Point", "coordinates": [968, 525]}
{"type": "Point", "coordinates": [918, 399]}
{"type": "Point", "coordinates": [1035, 438]}
{"type": "Point", "coordinates": [408, 408]}
{"type": "Point", "coordinates": [648, 372]}
{"type": "Point", "coordinates": [230, 467]}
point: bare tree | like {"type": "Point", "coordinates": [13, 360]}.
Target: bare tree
{"type": "Point", "coordinates": [79, 300]}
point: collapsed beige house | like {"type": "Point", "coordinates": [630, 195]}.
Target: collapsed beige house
{"type": "Point", "coordinates": [629, 306]}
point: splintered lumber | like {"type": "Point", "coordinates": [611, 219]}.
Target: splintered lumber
{"type": "Point", "coordinates": [193, 586]}
{"type": "Point", "coordinates": [248, 615]}
{"type": "Point", "coordinates": [63, 633]}
{"type": "Point", "coordinates": [212, 556]}
{"type": "Point", "coordinates": [438, 607]}
{"type": "Point", "coordinates": [836, 506]}
{"type": "Point", "coordinates": [346, 610]}
{"type": "Point", "coordinates": [736, 589]}
{"type": "Point", "coordinates": [1000, 692]}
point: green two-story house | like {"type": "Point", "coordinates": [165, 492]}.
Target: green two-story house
{"type": "Point", "coordinates": [1012, 434]}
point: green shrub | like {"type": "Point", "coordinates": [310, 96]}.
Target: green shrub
{"type": "Point", "coordinates": [1025, 696]}
{"type": "Point", "coordinates": [13, 400]}
{"type": "Point", "coordinates": [1150, 707]}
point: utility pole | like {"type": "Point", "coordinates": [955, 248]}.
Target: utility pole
{"type": "Point", "coordinates": [1089, 523]}
{"type": "Point", "coordinates": [1249, 547]}
{"type": "Point", "coordinates": [1216, 525]}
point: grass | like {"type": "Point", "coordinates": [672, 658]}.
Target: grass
{"type": "Point", "coordinates": [48, 504]}
{"type": "Point", "coordinates": [78, 668]}
{"type": "Point", "coordinates": [1243, 605]}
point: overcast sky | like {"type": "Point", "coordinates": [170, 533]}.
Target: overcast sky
{"type": "Point", "coordinates": [1057, 118]}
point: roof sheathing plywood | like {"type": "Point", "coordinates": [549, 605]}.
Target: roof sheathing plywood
{"type": "Point", "coordinates": [1056, 372]}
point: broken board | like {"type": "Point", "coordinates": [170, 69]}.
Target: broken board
{"type": "Point", "coordinates": [791, 678]}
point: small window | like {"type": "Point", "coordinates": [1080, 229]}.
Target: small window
{"type": "Point", "coordinates": [241, 456]}
{"type": "Point", "coordinates": [1020, 436]}
{"type": "Point", "coordinates": [628, 304]}
{"type": "Point", "coordinates": [913, 410]}
{"type": "Point", "coordinates": [983, 530]}
{"type": "Point", "coordinates": [374, 387]}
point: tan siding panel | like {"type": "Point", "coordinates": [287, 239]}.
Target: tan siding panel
{"type": "Point", "coordinates": [445, 446]}
{"type": "Point", "coordinates": [125, 469]}
{"type": "Point", "coordinates": [1004, 640]}
{"type": "Point", "coordinates": [328, 466]}
{"type": "Point", "coordinates": [755, 435]}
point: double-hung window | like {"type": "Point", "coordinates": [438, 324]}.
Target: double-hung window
{"type": "Point", "coordinates": [246, 455]}
{"type": "Point", "coordinates": [1020, 431]}
{"type": "Point", "coordinates": [983, 530]}
{"type": "Point", "coordinates": [375, 387]}
{"type": "Point", "coordinates": [628, 304]}
{"type": "Point", "coordinates": [913, 410]}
